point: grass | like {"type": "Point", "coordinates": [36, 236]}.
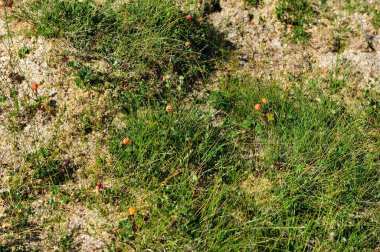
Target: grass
{"type": "Point", "coordinates": [139, 40]}
{"type": "Point", "coordinates": [214, 174]}
{"type": "Point", "coordinates": [178, 157]}
{"type": "Point", "coordinates": [317, 164]}
{"type": "Point", "coordinates": [23, 52]}
{"type": "Point", "coordinates": [253, 2]}
{"type": "Point", "coordinates": [297, 14]}
{"type": "Point", "coordinates": [376, 19]}
{"type": "Point", "coordinates": [300, 174]}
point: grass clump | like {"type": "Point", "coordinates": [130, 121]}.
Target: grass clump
{"type": "Point", "coordinates": [376, 19]}
{"type": "Point", "coordinates": [323, 160]}
{"type": "Point", "coordinates": [298, 14]}
{"type": "Point", "coordinates": [180, 158]}
{"type": "Point", "coordinates": [253, 2]}
{"type": "Point", "coordinates": [23, 52]}
{"type": "Point", "coordinates": [298, 174]}
{"type": "Point", "coordinates": [139, 40]}
{"type": "Point", "coordinates": [159, 137]}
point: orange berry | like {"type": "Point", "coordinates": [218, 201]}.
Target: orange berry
{"type": "Point", "coordinates": [164, 78]}
{"type": "Point", "coordinates": [200, 20]}
{"type": "Point", "coordinates": [264, 100]}
{"type": "Point", "coordinates": [132, 210]}
{"type": "Point", "coordinates": [258, 107]}
{"type": "Point", "coordinates": [325, 71]}
{"type": "Point", "coordinates": [169, 108]}
{"type": "Point", "coordinates": [126, 141]}
{"type": "Point", "coordinates": [35, 87]}
{"type": "Point", "coordinates": [188, 17]}
{"type": "Point", "coordinates": [187, 44]}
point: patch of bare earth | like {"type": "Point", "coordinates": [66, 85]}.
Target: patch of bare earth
{"type": "Point", "coordinates": [55, 123]}
{"type": "Point", "coordinates": [260, 187]}
{"type": "Point", "coordinates": [265, 50]}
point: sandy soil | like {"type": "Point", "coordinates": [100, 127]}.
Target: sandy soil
{"type": "Point", "coordinates": [265, 50]}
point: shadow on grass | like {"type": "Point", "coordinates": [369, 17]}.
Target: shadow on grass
{"type": "Point", "coordinates": [150, 48]}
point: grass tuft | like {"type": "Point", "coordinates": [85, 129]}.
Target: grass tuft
{"type": "Point", "coordinates": [139, 40]}
{"type": "Point", "coordinates": [298, 14]}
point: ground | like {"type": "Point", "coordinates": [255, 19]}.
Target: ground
{"type": "Point", "coordinates": [85, 205]}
